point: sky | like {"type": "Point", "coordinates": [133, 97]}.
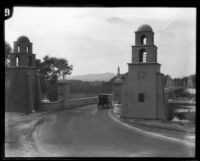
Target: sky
{"type": "Point", "coordinates": [98, 40]}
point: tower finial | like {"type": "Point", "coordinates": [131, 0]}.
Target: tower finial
{"type": "Point", "coordinates": [118, 71]}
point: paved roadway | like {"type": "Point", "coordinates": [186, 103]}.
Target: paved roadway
{"type": "Point", "coordinates": [89, 132]}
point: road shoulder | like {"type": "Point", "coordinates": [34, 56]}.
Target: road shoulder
{"type": "Point", "coordinates": [173, 135]}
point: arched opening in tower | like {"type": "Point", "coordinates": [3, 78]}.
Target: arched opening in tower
{"type": "Point", "coordinates": [18, 48]}
{"type": "Point", "coordinates": [17, 61]}
{"type": "Point", "coordinates": [28, 49]}
{"type": "Point", "coordinates": [142, 56]}
{"type": "Point", "coordinates": [143, 40]}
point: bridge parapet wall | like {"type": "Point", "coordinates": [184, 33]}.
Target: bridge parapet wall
{"type": "Point", "coordinates": [64, 101]}
{"type": "Point", "coordinates": [173, 92]}
{"type": "Point", "coordinates": [59, 105]}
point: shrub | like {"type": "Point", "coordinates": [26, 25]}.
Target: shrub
{"type": "Point", "coordinates": [180, 115]}
{"type": "Point", "coordinates": [52, 92]}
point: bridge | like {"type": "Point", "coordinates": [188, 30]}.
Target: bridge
{"type": "Point", "coordinates": [172, 92]}
{"type": "Point", "coordinates": [174, 87]}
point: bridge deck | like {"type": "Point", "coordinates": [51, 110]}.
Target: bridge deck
{"type": "Point", "coordinates": [167, 90]}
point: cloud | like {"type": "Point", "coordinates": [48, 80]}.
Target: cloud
{"type": "Point", "coordinates": [99, 39]}
{"type": "Point", "coordinates": [116, 21]}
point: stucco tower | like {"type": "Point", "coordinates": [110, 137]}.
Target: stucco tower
{"type": "Point", "coordinates": [145, 93]}
{"type": "Point", "coordinates": [22, 81]}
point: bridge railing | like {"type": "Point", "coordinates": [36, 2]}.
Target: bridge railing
{"type": "Point", "coordinates": [171, 89]}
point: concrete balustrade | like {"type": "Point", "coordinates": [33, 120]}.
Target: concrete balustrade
{"type": "Point", "coordinates": [64, 101]}
{"type": "Point", "coordinates": [72, 103]}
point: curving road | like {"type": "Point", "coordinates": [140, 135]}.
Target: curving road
{"type": "Point", "coordinates": [89, 132]}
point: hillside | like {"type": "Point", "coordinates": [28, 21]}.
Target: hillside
{"type": "Point", "coordinates": [92, 77]}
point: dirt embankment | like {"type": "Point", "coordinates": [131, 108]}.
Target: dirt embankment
{"type": "Point", "coordinates": [19, 140]}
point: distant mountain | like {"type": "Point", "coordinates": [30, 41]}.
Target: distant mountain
{"type": "Point", "coordinates": [92, 77]}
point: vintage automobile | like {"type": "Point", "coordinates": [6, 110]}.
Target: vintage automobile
{"type": "Point", "coordinates": [105, 99]}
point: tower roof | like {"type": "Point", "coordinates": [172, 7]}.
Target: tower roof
{"type": "Point", "coordinates": [23, 39]}
{"type": "Point", "coordinates": [118, 80]}
{"type": "Point", "coordinates": [145, 27]}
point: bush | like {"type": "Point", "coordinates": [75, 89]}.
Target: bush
{"type": "Point", "coordinates": [52, 92]}
{"type": "Point", "coordinates": [52, 89]}
{"type": "Point", "coordinates": [180, 115]}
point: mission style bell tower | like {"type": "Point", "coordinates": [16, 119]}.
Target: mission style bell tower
{"type": "Point", "coordinates": [145, 93]}
{"type": "Point", "coordinates": [22, 80]}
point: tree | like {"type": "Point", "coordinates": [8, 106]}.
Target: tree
{"type": "Point", "coordinates": [47, 67]}
{"type": "Point", "coordinates": [8, 50]}
{"type": "Point", "coordinates": [53, 65]}
{"type": "Point", "coordinates": [50, 69]}
{"type": "Point", "coordinates": [63, 68]}
{"type": "Point", "coordinates": [184, 80]}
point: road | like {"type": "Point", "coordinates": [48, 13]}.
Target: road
{"type": "Point", "coordinates": [89, 132]}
